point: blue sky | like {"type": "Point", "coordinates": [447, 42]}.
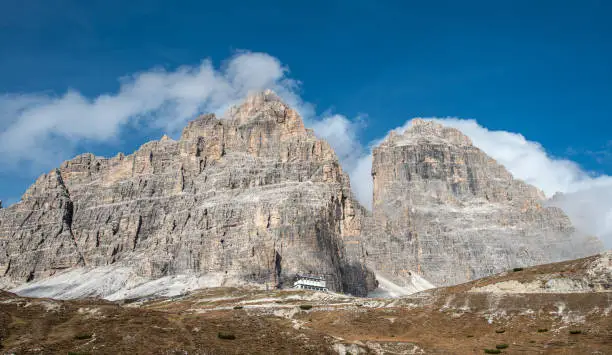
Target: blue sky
{"type": "Point", "coordinates": [539, 68]}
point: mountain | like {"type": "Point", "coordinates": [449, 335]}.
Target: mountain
{"type": "Point", "coordinates": [256, 198]}
{"type": "Point", "coordinates": [252, 197]}
{"type": "Point", "coordinates": [449, 213]}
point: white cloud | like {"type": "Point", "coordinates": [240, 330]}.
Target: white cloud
{"type": "Point", "coordinates": [342, 134]}
{"type": "Point", "coordinates": [590, 210]}
{"type": "Point", "coordinates": [41, 130]}
{"type": "Point", "coordinates": [361, 180]}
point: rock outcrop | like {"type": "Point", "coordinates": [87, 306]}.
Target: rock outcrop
{"type": "Point", "coordinates": [445, 210]}
{"type": "Point", "coordinates": [251, 197]}
{"type": "Point", "coordinates": [591, 274]}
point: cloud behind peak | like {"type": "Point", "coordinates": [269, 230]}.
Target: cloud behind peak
{"type": "Point", "coordinates": [41, 129]}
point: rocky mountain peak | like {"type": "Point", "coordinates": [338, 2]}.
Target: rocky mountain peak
{"type": "Point", "coordinates": [421, 131]}
{"type": "Point", "coordinates": [260, 98]}
{"type": "Point", "coordinates": [451, 213]}
{"type": "Point", "coordinates": [260, 121]}
{"type": "Point", "coordinates": [251, 197]}
{"type": "Point", "coordinates": [264, 106]}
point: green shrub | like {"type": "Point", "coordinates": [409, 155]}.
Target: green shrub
{"type": "Point", "coordinates": [517, 269]}
{"type": "Point", "coordinates": [83, 336]}
{"type": "Point", "coordinates": [238, 307]}
{"type": "Point", "coordinates": [305, 306]}
{"type": "Point", "coordinates": [226, 335]}
{"type": "Point", "coordinates": [492, 351]}
{"type": "Point", "coordinates": [542, 330]}
{"type": "Point", "coordinates": [499, 331]}
{"type": "Point", "coordinates": [501, 346]}
{"type": "Point", "coordinates": [77, 353]}
{"type": "Point", "coordinates": [575, 331]}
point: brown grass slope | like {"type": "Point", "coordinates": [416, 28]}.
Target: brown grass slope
{"type": "Point", "coordinates": [449, 320]}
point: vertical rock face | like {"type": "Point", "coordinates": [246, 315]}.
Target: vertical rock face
{"type": "Point", "coordinates": [256, 197]}
{"type": "Point", "coordinates": [445, 210]}
{"type": "Point", "coordinates": [39, 228]}
{"type": "Point", "coordinates": [253, 197]}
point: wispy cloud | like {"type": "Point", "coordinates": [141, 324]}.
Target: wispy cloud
{"type": "Point", "coordinates": [603, 155]}
{"type": "Point", "coordinates": [41, 129]}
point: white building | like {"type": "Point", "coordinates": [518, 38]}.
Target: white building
{"type": "Point", "coordinates": [307, 282]}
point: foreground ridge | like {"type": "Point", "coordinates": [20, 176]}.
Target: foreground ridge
{"type": "Point", "coordinates": [462, 319]}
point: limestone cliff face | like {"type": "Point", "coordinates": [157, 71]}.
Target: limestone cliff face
{"type": "Point", "coordinates": [39, 228]}
{"type": "Point", "coordinates": [256, 197]}
{"type": "Point", "coordinates": [253, 196]}
{"type": "Point", "coordinates": [445, 210]}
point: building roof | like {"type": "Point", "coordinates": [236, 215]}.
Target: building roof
{"type": "Point", "coordinates": [311, 277]}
